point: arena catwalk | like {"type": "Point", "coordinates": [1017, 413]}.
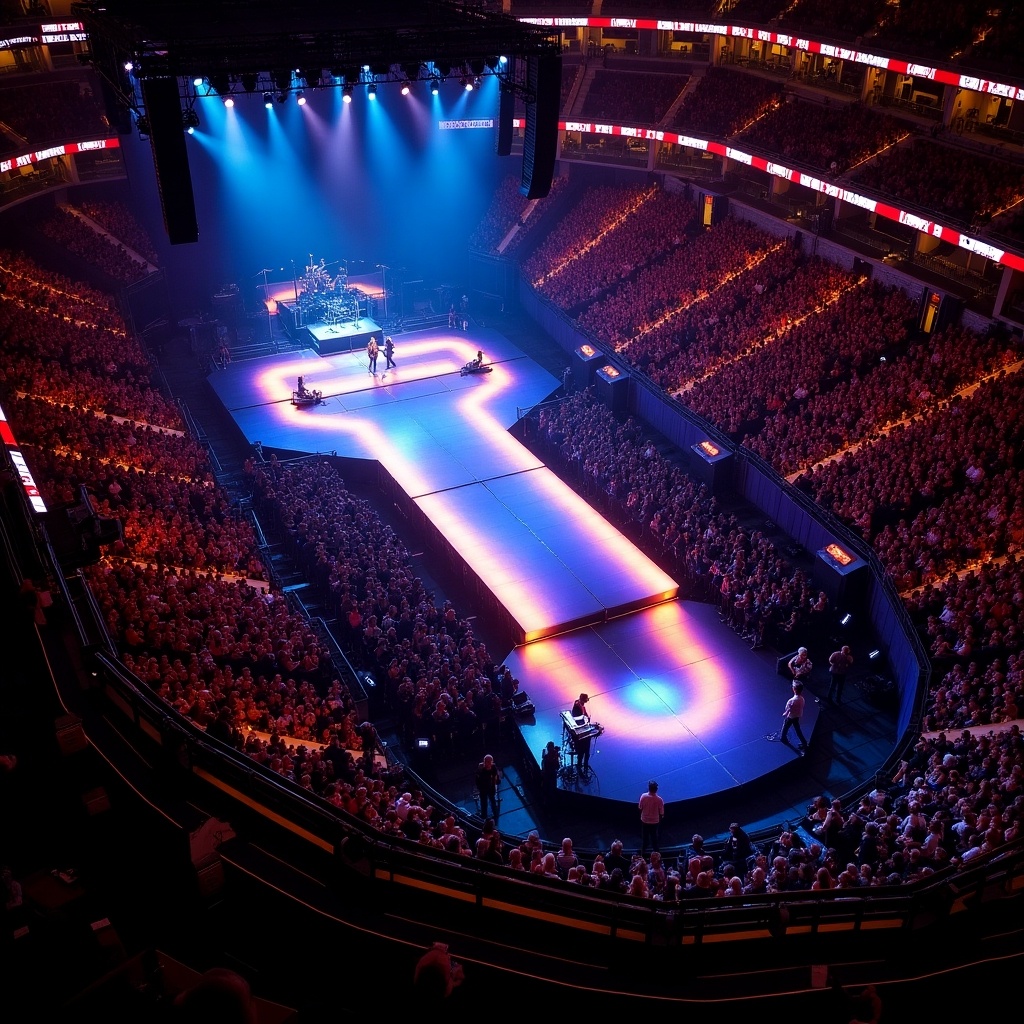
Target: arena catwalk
{"type": "Point", "coordinates": [677, 698]}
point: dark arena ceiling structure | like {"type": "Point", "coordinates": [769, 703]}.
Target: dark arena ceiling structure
{"type": "Point", "coordinates": [152, 53]}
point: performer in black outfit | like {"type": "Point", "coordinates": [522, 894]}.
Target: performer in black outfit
{"type": "Point", "coordinates": [389, 352]}
{"type": "Point", "coordinates": [579, 710]}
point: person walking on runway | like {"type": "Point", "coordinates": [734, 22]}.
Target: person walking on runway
{"type": "Point", "coordinates": [372, 351]}
{"type": "Point", "coordinates": [792, 714]}
{"type": "Point", "coordinates": [389, 353]}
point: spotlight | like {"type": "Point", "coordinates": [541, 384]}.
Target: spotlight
{"type": "Point", "coordinates": [405, 88]}
{"type": "Point", "coordinates": [503, 60]}
{"type": "Point", "coordinates": [129, 66]}
{"type": "Point", "coordinates": [249, 82]}
{"type": "Point", "coordinates": [467, 83]}
{"type": "Point", "coordinates": [220, 82]}
{"type": "Point", "coordinates": [143, 125]}
{"type": "Point", "coordinates": [346, 94]}
{"type": "Point", "coordinates": [268, 100]}
{"type": "Point", "coordinates": [282, 97]}
{"type": "Point", "coordinates": [492, 62]}
{"type": "Point", "coordinates": [196, 82]}
{"type": "Point", "coordinates": [874, 655]}
{"type": "Point", "coordinates": [229, 101]}
{"type": "Point", "coordinates": [300, 98]}
{"type": "Point", "coordinates": [435, 86]}
{"type": "Point", "coordinates": [371, 91]}
{"type": "Point", "coordinates": [190, 120]}
{"type": "Point", "coordinates": [846, 620]}
{"type": "Point", "coordinates": [476, 65]}
{"type": "Point", "coordinates": [476, 82]}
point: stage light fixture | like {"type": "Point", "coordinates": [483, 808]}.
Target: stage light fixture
{"type": "Point", "coordinates": [220, 82]}
{"type": "Point", "coordinates": [249, 80]}
{"type": "Point", "coordinates": [405, 88]}
{"type": "Point", "coordinates": [300, 98]}
{"type": "Point", "coordinates": [282, 79]}
{"type": "Point", "coordinates": [846, 620]}
{"type": "Point", "coordinates": [142, 124]}
{"type": "Point", "coordinates": [346, 94]}
{"type": "Point", "coordinates": [190, 120]}
{"type": "Point", "coordinates": [444, 69]}
{"type": "Point", "coordinates": [435, 86]}
{"type": "Point", "coordinates": [503, 59]}
{"type": "Point", "coordinates": [197, 81]}
{"type": "Point", "coordinates": [282, 97]}
{"type": "Point", "coordinates": [874, 655]}
{"type": "Point", "coordinates": [492, 62]}
{"type": "Point", "coordinates": [467, 83]}
{"type": "Point", "coordinates": [229, 101]}
{"type": "Point", "coordinates": [371, 91]}
{"type": "Point", "coordinates": [476, 65]}
{"type": "Point", "coordinates": [129, 66]}
{"type": "Point", "coordinates": [268, 100]}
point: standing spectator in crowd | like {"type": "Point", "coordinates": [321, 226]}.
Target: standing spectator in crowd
{"type": "Point", "coordinates": [839, 663]}
{"type": "Point", "coordinates": [652, 810]}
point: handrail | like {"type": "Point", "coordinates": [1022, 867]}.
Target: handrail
{"type": "Point", "coordinates": [404, 862]}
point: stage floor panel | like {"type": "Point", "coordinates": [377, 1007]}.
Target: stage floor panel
{"type": "Point", "coordinates": [682, 701]}
{"type": "Point", "coordinates": [549, 570]}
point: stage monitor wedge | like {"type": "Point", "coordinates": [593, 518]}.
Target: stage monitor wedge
{"type": "Point", "coordinates": [170, 156]}
{"type": "Point", "coordinates": [540, 143]}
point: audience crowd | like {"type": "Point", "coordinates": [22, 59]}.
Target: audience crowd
{"type": "Point", "coordinates": [846, 18]}
{"type": "Point", "coordinates": [725, 102]}
{"type": "Point", "coordinates": [508, 207]}
{"type": "Point", "coordinates": [122, 224]}
{"type": "Point", "coordinates": [807, 363]}
{"type": "Point", "coordinates": [51, 111]}
{"type": "Point", "coordinates": [631, 96]}
{"type": "Point", "coordinates": [94, 247]}
{"type": "Point", "coordinates": [966, 185]}
{"type": "Point", "coordinates": [833, 137]}
{"type": "Point", "coordinates": [609, 235]}
{"type": "Point", "coordinates": [665, 288]}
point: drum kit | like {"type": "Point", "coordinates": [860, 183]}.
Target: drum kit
{"type": "Point", "coordinates": [325, 296]}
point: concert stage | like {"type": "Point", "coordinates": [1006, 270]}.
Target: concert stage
{"type": "Point", "coordinates": [540, 557]}
{"type": "Point", "coordinates": [682, 699]}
